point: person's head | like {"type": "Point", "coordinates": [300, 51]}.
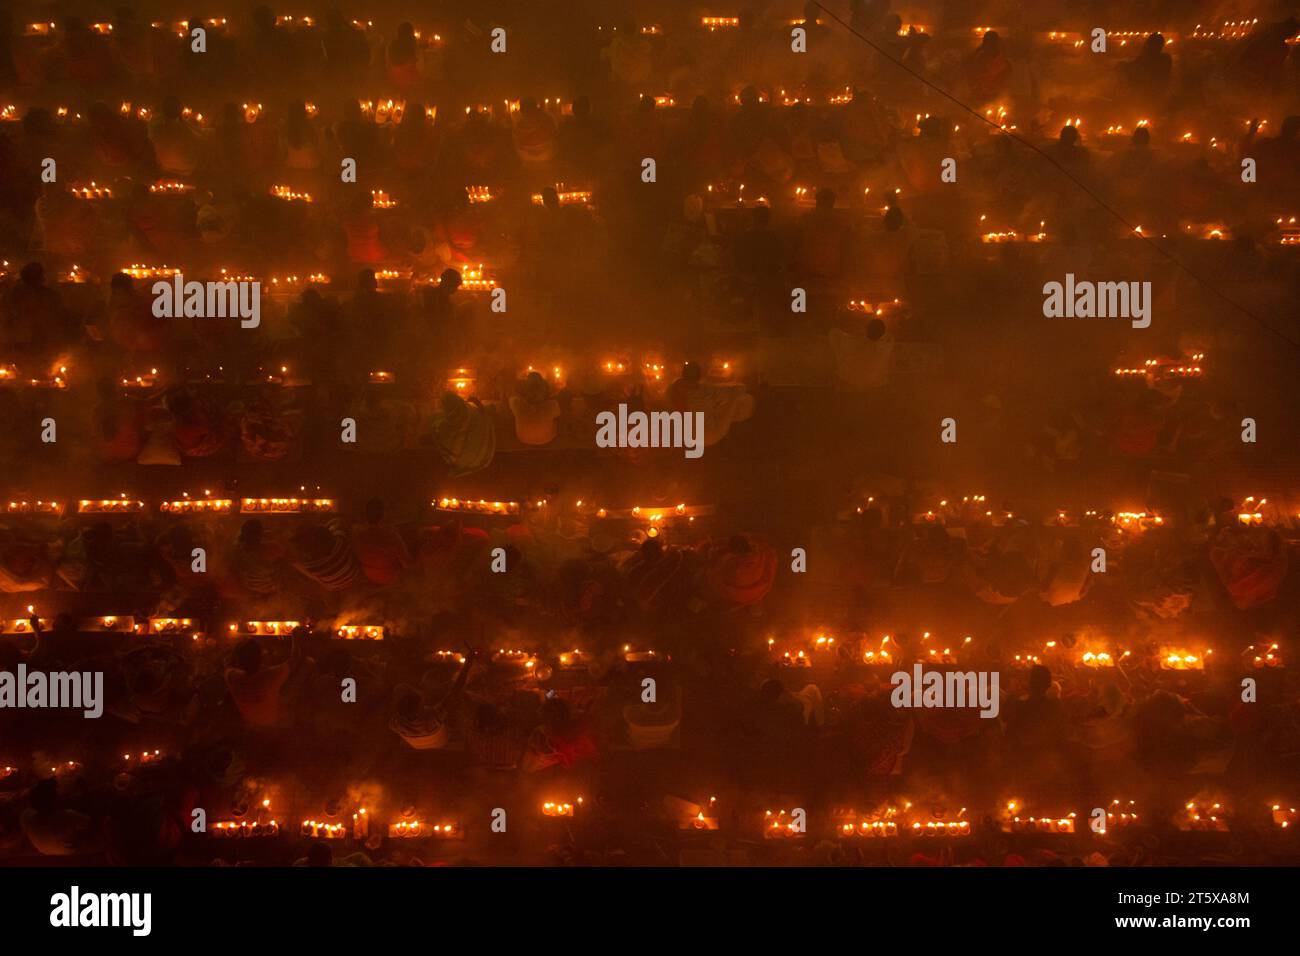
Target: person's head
{"type": "Point", "coordinates": [375, 510]}
{"type": "Point", "coordinates": [1290, 130]}
{"type": "Point", "coordinates": [825, 198]}
{"type": "Point", "coordinates": [170, 108]}
{"type": "Point", "coordinates": [749, 97]}
{"type": "Point", "coordinates": [405, 33]}
{"type": "Point", "coordinates": [771, 690]}
{"type": "Point", "coordinates": [992, 43]}
{"type": "Point", "coordinates": [44, 797]}
{"type": "Point", "coordinates": [875, 330]}
{"type": "Point", "coordinates": [1040, 681]}
{"type": "Point", "coordinates": [33, 275]}
{"type": "Point", "coordinates": [248, 656]}
{"type": "Point", "coordinates": [250, 533]}
{"type": "Point", "coordinates": [1155, 43]}
{"type": "Point", "coordinates": [534, 388]}
{"type": "Point", "coordinates": [450, 280]}
{"type": "Point", "coordinates": [762, 216]}
{"type": "Point", "coordinates": [320, 854]}
{"type": "Point", "coordinates": [1142, 137]}
{"type": "Point", "coordinates": [550, 198]}
{"type": "Point", "coordinates": [893, 219]}
{"type": "Point", "coordinates": [652, 549]}
{"type": "Point", "coordinates": [1069, 136]}
{"type": "Point", "coordinates": [366, 281]}
{"type": "Point", "coordinates": [691, 373]}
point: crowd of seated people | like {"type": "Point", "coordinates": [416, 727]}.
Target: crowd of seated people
{"type": "Point", "coordinates": [798, 270]}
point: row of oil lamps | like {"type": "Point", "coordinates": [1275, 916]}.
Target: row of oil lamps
{"type": "Point", "coordinates": [821, 648]}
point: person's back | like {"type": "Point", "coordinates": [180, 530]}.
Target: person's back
{"type": "Point", "coordinates": [536, 412]}
{"type": "Point", "coordinates": [379, 548]}
{"type": "Point", "coordinates": [862, 359]}
{"type": "Point", "coordinates": [254, 688]}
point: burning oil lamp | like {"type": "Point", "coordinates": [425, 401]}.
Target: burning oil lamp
{"type": "Point", "coordinates": [288, 194]}
{"type": "Point", "coordinates": [1283, 817]}
{"type": "Point", "coordinates": [266, 628]}
{"type": "Point", "coordinates": [121, 505]}
{"type": "Point", "coordinates": [1120, 814]}
{"type": "Point", "coordinates": [142, 759]}
{"type": "Point", "coordinates": [1013, 822]}
{"type": "Point", "coordinates": [783, 824]}
{"type": "Point", "coordinates": [166, 625]}
{"type": "Point", "coordinates": [881, 654]}
{"type": "Point", "coordinates": [478, 194]}
{"type": "Point", "coordinates": [1251, 512]}
{"type": "Point", "coordinates": [92, 190]}
{"type": "Point", "coordinates": [320, 830]}
{"type": "Point", "coordinates": [476, 280]}
{"type": "Point", "coordinates": [552, 808]}
{"type": "Point", "coordinates": [462, 382]}
{"type": "Point", "coordinates": [145, 380]}
{"type": "Point", "coordinates": [1179, 659]}
{"type": "Point", "coordinates": [359, 632]}
{"type": "Point", "coordinates": [713, 24]}
{"type": "Point", "coordinates": [572, 197]}
{"type": "Point", "coordinates": [34, 507]}
{"type": "Point", "coordinates": [414, 829]}
{"type": "Point", "coordinates": [1200, 817]}
{"type": "Point", "coordinates": [1264, 657]}
{"type": "Point", "coordinates": [23, 625]}
{"type": "Point", "coordinates": [137, 270]}
{"type": "Point", "coordinates": [478, 507]}
{"type": "Point", "coordinates": [382, 200]}
{"type": "Point", "coordinates": [204, 505]}
{"type": "Point", "coordinates": [381, 378]}
{"type": "Point", "coordinates": [286, 506]}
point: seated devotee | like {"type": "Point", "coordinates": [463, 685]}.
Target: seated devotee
{"type": "Point", "coordinates": [1069, 575]}
{"type": "Point", "coordinates": [54, 829]}
{"type": "Point", "coordinates": [1035, 723]}
{"type": "Point", "coordinates": [535, 134]}
{"type": "Point", "coordinates": [402, 58]}
{"type": "Point", "coordinates": [988, 71]}
{"type": "Point", "coordinates": [863, 356]}
{"type": "Point", "coordinates": [198, 425]}
{"type": "Point", "coordinates": [738, 571]}
{"type": "Point", "coordinates": [562, 740]}
{"type": "Point", "coordinates": [324, 554]}
{"type": "Point", "coordinates": [463, 434]}
{"type": "Point", "coordinates": [1147, 75]}
{"type": "Point", "coordinates": [421, 717]}
{"type": "Point", "coordinates": [379, 547]}
{"type": "Point", "coordinates": [36, 319]}
{"type": "Point", "coordinates": [177, 146]}
{"type": "Point", "coordinates": [299, 143]}
{"type": "Point", "coordinates": [255, 563]}
{"type": "Point", "coordinates": [536, 412]}
{"type": "Point", "coordinates": [823, 239]}
{"type": "Point", "coordinates": [132, 326]}
{"type": "Point", "coordinates": [257, 689]}
{"type": "Point", "coordinates": [1070, 153]}
{"type": "Point", "coordinates": [722, 405]}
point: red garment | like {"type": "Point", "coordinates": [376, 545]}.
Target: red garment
{"type": "Point", "coordinates": [739, 578]}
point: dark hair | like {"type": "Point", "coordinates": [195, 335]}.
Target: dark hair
{"type": "Point", "coordinates": [248, 656]}
{"type": "Point", "coordinates": [320, 854]}
{"type": "Point", "coordinates": [375, 510]}
{"type": "Point", "coordinates": [875, 330]}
